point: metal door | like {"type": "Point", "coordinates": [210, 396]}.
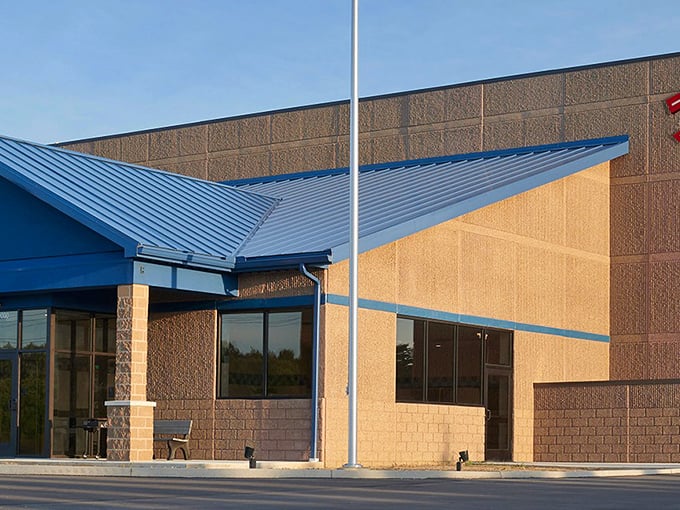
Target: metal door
{"type": "Point", "coordinates": [498, 414]}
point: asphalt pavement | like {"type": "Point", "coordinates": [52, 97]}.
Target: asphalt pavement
{"type": "Point", "coordinates": [59, 492]}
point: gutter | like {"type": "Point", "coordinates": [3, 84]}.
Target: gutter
{"type": "Point", "coordinates": [313, 454]}
{"type": "Point", "coordinates": [278, 262]}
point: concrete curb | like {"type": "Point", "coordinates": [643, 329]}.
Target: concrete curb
{"type": "Point", "coordinates": [273, 470]}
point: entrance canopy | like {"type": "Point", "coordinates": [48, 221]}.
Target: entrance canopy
{"type": "Point", "coordinates": [78, 221]}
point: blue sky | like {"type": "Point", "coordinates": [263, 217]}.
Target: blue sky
{"type": "Point", "coordinates": [76, 69]}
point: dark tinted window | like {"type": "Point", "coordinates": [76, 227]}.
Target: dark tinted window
{"type": "Point", "coordinates": [469, 388]}
{"type": "Point", "coordinates": [286, 337]}
{"type": "Point", "coordinates": [440, 350]}
{"type": "Point", "coordinates": [410, 359]}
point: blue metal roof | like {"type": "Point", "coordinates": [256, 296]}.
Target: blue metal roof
{"type": "Point", "coordinates": [399, 199]}
{"type": "Point", "coordinates": [280, 220]}
{"type": "Point", "coordinates": [149, 213]}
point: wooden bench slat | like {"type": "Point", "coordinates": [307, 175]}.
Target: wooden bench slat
{"type": "Point", "coordinates": [173, 428]}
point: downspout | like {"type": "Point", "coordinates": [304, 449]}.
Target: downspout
{"type": "Point", "coordinates": [313, 454]}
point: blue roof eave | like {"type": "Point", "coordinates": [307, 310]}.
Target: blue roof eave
{"type": "Point", "coordinates": [214, 262]}
{"type": "Point", "coordinates": [287, 261]}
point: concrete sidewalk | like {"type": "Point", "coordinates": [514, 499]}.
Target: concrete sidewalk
{"type": "Point", "coordinates": [265, 469]}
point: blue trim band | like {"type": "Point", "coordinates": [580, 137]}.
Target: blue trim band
{"type": "Point", "coordinates": [425, 313]}
{"type": "Point", "coordinates": [256, 304]}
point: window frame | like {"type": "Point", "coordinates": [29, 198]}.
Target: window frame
{"type": "Point", "coordinates": [266, 312]}
{"type": "Point", "coordinates": [484, 366]}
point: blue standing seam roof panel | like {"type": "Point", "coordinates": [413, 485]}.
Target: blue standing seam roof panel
{"type": "Point", "coordinates": [150, 213]}
{"type": "Point", "coordinates": [279, 221]}
{"type": "Point", "coordinates": [399, 199]}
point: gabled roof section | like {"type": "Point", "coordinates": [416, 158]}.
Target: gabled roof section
{"type": "Point", "coordinates": [399, 199]}
{"type": "Point", "coordinates": [149, 213]}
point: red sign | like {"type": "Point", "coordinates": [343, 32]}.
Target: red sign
{"type": "Point", "coordinates": [673, 103]}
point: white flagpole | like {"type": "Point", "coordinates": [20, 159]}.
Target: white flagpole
{"type": "Point", "coordinates": [353, 241]}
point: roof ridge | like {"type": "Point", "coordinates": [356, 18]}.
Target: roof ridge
{"type": "Point", "coordinates": [611, 140]}
{"type": "Point", "coordinates": [253, 231]}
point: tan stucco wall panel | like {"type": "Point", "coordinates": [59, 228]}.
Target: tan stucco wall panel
{"type": "Point", "coordinates": [587, 210]}
{"type": "Point", "coordinates": [587, 295]}
{"type": "Point", "coordinates": [541, 283]}
{"type": "Point", "coordinates": [374, 266]}
{"type": "Point", "coordinates": [428, 277]}
{"type": "Point", "coordinates": [487, 282]}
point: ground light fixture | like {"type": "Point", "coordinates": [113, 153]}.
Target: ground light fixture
{"type": "Point", "coordinates": [463, 457]}
{"type": "Point", "coordinates": [249, 453]}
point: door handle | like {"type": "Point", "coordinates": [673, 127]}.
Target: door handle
{"type": "Point", "coordinates": [488, 414]}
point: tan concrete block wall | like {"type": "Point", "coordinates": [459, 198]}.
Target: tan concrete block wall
{"type": "Point", "coordinates": [626, 98]}
{"type": "Point", "coordinates": [275, 284]}
{"type": "Point", "coordinates": [388, 434]}
{"type": "Point", "coordinates": [623, 98]}
{"type": "Point", "coordinates": [277, 429]}
{"type": "Point", "coordinates": [633, 421]}
{"type": "Point", "coordinates": [202, 413]}
{"type": "Point", "coordinates": [545, 358]}
{"type": "Point", "coordinates": [182, 355]}
{"type": "Point", "coordinates": [496, 262]}
{"type": "Point", "coordinates": [182, 374]}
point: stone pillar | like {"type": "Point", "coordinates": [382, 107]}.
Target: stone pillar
{"type": "Point", "coordinates": [130, 416]}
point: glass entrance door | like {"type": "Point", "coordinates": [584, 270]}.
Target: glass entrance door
{"type": "Point", "coordinates": [8, 406]}
{"type": "Point", "coordinates": [498, 414]}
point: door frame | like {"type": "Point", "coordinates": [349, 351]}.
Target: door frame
{"type": "Point", "coordinates": [498, 454]}
{"type": "Point", "coordinates": [9, 449]}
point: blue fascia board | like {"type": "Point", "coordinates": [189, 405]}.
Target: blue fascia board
{"type": "Point", "coordinates": [473, 320]}
{"type": "Point", "coordinates": [157, 253]}
{"type": "Point", "coordinates": [184, 278]}
{"type": "Point", "coordinates": [66, 207]}
{"type": "Point", "coordinates": [64, 273]}
{"type": "Point", "coordinates": [278, 262]}
{"type": "Point", "coordinates": [606, 141]}
{"type": "Point", "coordinates": [396, 232]}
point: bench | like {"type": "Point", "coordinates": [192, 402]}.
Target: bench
{"type": "Point", "coordinates": [176, 433]}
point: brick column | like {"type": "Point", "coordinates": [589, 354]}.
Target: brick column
{"type": "Point", "coordinates": [130, 416]}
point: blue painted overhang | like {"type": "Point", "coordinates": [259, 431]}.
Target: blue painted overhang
{"type": "Point", "coordinates": [399, 199]}
{"type": "Point", "coordinates": [92, 220]}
